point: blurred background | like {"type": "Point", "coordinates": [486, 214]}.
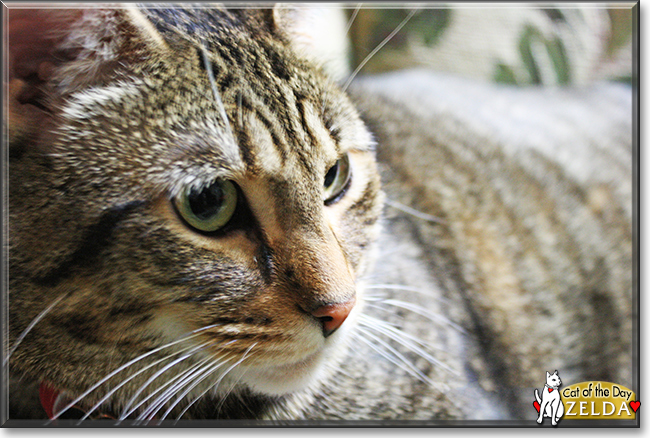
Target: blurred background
{"type": "Point", "coordinates": [572, 44]}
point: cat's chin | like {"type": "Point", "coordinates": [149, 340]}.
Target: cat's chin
{"type": "Point", "coordinates": [278, 380]}
{"type": "Point", "coordinates": [284, 379]}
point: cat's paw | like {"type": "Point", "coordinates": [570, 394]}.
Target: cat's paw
{"type": "Point", "coordinates": [539, 420]}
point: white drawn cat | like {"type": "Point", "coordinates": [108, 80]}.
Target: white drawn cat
{"type": "Point", "coordinates": [550, 405]}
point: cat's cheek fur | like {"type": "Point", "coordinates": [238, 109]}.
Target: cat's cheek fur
{"type": "Point", "coordinates": [304, 361]}
{"type": "Point", "coordinates": [308, 372]}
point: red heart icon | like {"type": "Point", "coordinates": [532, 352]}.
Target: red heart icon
{"type": "Point", "coordinates": [635, 405]}
{"type": "Point", "coordinates": [550, 389]}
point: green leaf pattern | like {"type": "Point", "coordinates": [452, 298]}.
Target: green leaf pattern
{"type": "Point", "coordinates": [509, 45]}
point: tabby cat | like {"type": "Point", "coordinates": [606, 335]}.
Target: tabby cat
{"type": "Point", "coordinates": [197, 228]}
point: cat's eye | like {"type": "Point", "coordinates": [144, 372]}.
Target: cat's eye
{"type": "Point", "coordinates": [337, 179]}
{"type": "Point", "coordinates": [210, 208]}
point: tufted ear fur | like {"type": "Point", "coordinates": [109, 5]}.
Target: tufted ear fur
{"type": "Point", "coordinates": [54, 52]}
{"type": "Point", "coordinates": [317, 31]}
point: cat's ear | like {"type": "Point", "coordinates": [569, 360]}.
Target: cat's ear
{"type": "Point", "coordinates": [555, 372]}
{"type": "Point", "coordinates": [53, 52]}
{"type": "Point", "coordinates": [94, 36]}
{"type": "Point", "coordinates": [548, 374]}
{"type": "Point", "coordinates": [318, 32]}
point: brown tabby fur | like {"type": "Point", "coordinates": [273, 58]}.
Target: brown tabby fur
{"type": "Point", "coordinates": [115, 115]}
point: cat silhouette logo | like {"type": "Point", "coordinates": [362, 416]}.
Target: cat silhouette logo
{"type": "Point", "coordinates": [550, 404]}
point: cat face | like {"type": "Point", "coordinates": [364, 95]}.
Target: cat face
{"type": "Point", "coordinates": [189, 212]}
{"type": "Point", "coordinates": [553, 380]}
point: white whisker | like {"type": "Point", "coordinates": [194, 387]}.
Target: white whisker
{"type": "Point", "coordinates": [215, 91]}
{"type": "Point", "coordinates": [195, 381]}
{"type": "Point", "coordinates": [371, 298]}
{"type": "Point", "coordinates": [240, 110]}
{"type": "Point", "coordinates": [401, 287]}
{"type": "Point", "coordinates": [413, 212]}
{"type": "Point", "coordinates": [31, 325]}
{"type": "Point", "coordinates": [189, 405]}
{"type": "Point", "coordinates": [213, 365]}
{"type": "Point", "coordinates": [402, 363]}
{"type": "Point", "coordinates": [425, 313]}
{"type": "Point", "coordinates": [230, 145]}
{"type": "Point", "coordinates": [347, 30]}
{"type": "Point", "coordinates": [158, 373]}
{"type": "Point", "coordinates": [223, 399]}
{"type": "Point", "coordinates": [162, 387]}
{"type": "Point", "coordinates": [352, 18]}
{"type": "Point", "coordinates": [378, 303]}
{"type": "Point", "coordinates": [165, 396]}
{"type": "Point", "coordinates": [124, 382]}
{"type": "Point", "coordinates": [128, 364]}
{"type": "Point", "coordinates": [215, 386]}
{"type": "Point", "coordinates": [378, 48]}
{"type": "Point", "coordinates": [404, 339]}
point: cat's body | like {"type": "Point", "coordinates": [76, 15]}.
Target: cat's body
{"type": "Point", "coordinates": [550, 402]}
{"type": "Point", "coordinates": [101, 240]}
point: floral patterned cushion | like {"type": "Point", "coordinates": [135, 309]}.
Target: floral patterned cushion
{"type": "Point", "coordinates": [506, 44]}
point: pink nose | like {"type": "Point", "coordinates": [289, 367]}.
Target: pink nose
{"type": "Point", "coordinates": [333, 315]}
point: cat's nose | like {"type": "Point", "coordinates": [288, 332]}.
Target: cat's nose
{"type": "Point", "coordinates": [332, 316]}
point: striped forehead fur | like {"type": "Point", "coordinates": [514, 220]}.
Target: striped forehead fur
{"type": "Point", "coordinates": [296, 117]}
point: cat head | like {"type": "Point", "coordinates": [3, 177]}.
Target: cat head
{"type": "Point", "coordinates": [553, 380]}
{"type": "Point", "coordinates": [187, 189]}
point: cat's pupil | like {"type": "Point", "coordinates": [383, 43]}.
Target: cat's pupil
{"type": "Point", "coordinates": [331, 175]}
{"type": "Point", "coordinates": [207, 203]}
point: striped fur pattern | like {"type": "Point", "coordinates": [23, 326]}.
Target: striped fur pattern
{"type": "Point", "coordinates": [223, 97]}
{"type": "Point", "coordinates": [497, 246]}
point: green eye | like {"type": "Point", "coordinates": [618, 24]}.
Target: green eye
{"type": "Point", "coordinates": [210, 208]}
{"type": "Point", "coordinates": [336, 180]}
